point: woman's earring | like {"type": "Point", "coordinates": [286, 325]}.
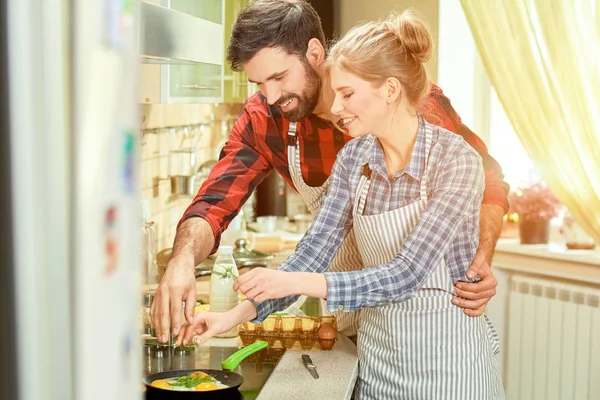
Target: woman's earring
{"type": "Point", "coordinates": [389, 101]}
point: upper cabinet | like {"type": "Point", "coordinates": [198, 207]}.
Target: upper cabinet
{"type": "Point", "coordinates": [190, 63]}
{"type": "Point", "coordinates": [182, 48]}
{"type": "Point", "coordinates": [235, 84]}
{"type": "Point", "coordinates": [210, 10]}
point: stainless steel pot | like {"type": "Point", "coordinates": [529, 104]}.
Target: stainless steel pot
{"type": "Point", "coordinates": [183, 184]}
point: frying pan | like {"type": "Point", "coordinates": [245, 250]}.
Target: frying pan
{"type": "Point", "coordinates": [225, 376]}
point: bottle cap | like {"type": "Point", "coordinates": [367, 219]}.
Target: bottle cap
{"type": "Point", "coordinates": [225, 250]}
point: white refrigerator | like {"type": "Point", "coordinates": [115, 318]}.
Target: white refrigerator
{"type": "Point", "coordinates": [71, 219]}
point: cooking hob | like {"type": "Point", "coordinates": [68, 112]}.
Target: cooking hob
{"type": "Point", "coordinates": [255, 369]}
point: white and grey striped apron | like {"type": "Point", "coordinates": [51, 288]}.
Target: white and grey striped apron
{"type": "Point", "coordinates": [348, 257]}
{"type": "Point", "coordinates": [424, 348]}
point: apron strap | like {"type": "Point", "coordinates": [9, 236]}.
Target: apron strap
{"type": "Point", "coordinates": [362, 190]}
{"type": "Point", "coordinates": [291, 134]}
{"type": "Point", "coordinates": [293, 151]}
{"type": "Point", "coordinates": [422, 128]}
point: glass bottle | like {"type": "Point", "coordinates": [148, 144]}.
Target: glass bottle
{"type": "Point", "coordinates": [222, 296]}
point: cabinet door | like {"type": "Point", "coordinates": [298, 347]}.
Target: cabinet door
{"type": "Point", "coordinates": [196, 83]}
{"type": "Point", "coordinates": [210, 10]}
{"type": "Point", "coordinates": [235, 84]}
{"type": "Point", "coordinates": [189, 84]}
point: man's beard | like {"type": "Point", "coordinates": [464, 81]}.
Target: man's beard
{"type": "Point", "coordinates": [309, 98]}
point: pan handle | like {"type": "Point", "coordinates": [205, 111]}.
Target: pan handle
{"type": "Point", "coordinates": [236, 358]}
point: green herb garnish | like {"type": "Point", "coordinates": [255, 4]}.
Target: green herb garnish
{"type": "Point", "coordinates": [190, 381]}
{"type": "Point", "coordinates": [228, 273]}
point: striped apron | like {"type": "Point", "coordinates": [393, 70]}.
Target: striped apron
{"type": "Point", "coordinates": [424, 348]}
{"type": "Point", "coordinates": [348, 257]}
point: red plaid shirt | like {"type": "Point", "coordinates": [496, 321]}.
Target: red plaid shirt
{"type": "Point", "coordinates": [258, 144]}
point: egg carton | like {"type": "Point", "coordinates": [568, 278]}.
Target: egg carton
{"type": "Point", "coordinates": [290, 342]}
{"type": "Point", "coordinates": [288, 326]}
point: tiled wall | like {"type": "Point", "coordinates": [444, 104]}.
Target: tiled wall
{"type": "Point", "coordinates": [157, 141]}
{"type": "Point", "coordinates": [205, 121]}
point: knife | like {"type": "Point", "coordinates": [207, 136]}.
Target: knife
{"type": "Point", "coordinates": [310, 366]}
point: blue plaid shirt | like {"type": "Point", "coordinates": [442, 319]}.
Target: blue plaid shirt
{"type": "Point", "coordinates": [448, 228]}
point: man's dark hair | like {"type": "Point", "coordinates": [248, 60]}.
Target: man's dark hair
{"type": "Point", "coordinates": [289, 24]}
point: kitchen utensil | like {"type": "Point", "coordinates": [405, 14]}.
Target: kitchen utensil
{"type": "Point", "coordinates": [273, 244]}
{"type": "Point", "coordinates": [183, 184]}
{"type": "Point", "coordinates": [225, 376]}
{"type": "Point", "coordinates": [310, 366]}
{"type": "Point", "coordinates": [246, 258]}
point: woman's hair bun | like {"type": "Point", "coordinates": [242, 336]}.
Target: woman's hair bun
{"type": "Point", "coordinates": [413, 34]}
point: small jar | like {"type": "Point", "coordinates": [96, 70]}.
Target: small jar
{"type": "Point", "coordinates": [147, 298]}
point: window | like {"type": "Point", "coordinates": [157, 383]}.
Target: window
{"type": "Point", "coordinates": [462, 77]}
{"type": "Point", "coordinates": [506, 148]}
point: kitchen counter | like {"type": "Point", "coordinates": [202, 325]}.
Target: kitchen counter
{"type": "Point", "coordinates": [337, 368]}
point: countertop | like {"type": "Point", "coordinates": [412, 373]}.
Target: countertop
{"type": "Point", "coordinates": [337, 368]}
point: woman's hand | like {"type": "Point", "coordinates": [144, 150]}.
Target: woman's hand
{"type": "Point", "coordinates": [260, 284]}
{"type": "Point", "coordinates": [206, 325]}
{"type": "Point", "coordinates": [209, 324]}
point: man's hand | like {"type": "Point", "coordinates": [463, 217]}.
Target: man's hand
{"type": "Point", "coordinates": [192, 244]}
{"type": "Point", "coordinates": [262, 284]}
{"type": "Point", "coordinates": [177, 285]}
{"type": "Point", "coordinates": [473, 297]}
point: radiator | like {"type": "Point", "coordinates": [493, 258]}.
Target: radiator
{"type": "Point", "coordinates": [553, 341]}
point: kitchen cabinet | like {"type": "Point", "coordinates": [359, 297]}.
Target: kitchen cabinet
{"type": "Point", "coordinates": [180, 82]}
{"type": "Point", "coordinates": [210, 10]}
{"type": "Point", "coordinates": [173, 82]}
{"type": "Point", "coordinates": [235, 84]}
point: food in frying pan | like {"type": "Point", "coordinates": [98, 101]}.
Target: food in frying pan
{"type": "Point", "coordinates": [195, 381]}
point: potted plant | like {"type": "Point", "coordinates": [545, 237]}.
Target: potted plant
{"type": "Point", "coordinates": [535, 205]}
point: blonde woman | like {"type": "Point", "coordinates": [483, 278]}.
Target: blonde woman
{"type": "Point", "coordinates": [412, 192]}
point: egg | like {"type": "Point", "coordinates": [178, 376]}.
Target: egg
{"type": "Point", "coordinates": [326, 344]}
{"type": "Point", "coordinates": [161, 383]}
{"type": "Point", "coordinates": [327, 331]}
{"type": "Point", "coordinates": [198, 374]}
{"type": "Point", "coordinates": [206, 386]}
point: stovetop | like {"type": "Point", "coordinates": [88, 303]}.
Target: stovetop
{"type": "Point", "coordinates": [255, 369]}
